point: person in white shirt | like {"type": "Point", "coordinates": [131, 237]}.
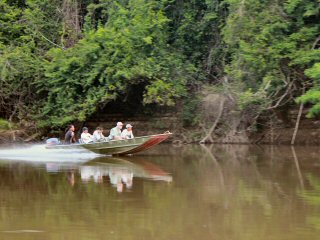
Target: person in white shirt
{"type": "Point", "coordinates": [86, 137]}
{"type": "Point", "coordinates": [115, 133]}
{"type": "Point", "coordinates": [98, 136]}
{"type": "Point", "coordinates": [127, 133]}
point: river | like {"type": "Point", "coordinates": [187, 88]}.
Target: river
{"type": "Point", "coordinates": [221, 192]}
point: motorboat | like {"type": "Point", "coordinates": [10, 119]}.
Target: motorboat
{"type": "Point", "coordinates": [117, 147]}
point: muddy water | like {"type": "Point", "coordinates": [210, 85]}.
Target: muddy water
{"type": "Point", "coordinates": [190, 192]}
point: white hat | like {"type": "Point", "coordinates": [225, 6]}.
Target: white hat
{"type": "Point", "coordinates": [119, 123]}
{"type": "Point", "coordinates": [129, 125]}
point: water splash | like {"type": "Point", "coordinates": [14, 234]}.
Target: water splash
{"type": "Point", "coordinates": [38, 153]}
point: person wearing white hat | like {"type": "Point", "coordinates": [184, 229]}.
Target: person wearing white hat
{"type": "Point", "coordinates": [115, 133]}
{"type": "Point", "coordinates": [127, 133]}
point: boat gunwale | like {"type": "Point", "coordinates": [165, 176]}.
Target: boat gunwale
{"type": "Point", "coordinates": [104, 143]}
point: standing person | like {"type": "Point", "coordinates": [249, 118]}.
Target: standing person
{"type": "Point", "coordinates": [127, 133]}
{"type": "Point", "coordinates": [97, 135]}
{"type": "Point", "coordinates": [70, 137]}
{"type": "Point", "coordinates": [115, 133]}
{"type": "Point", "coordinates": [86, 137]}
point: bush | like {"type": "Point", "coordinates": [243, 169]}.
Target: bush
{"type": "Point", "coordinates": [190, 111]}
{"type": "Point", "coordinates": [4, 124]}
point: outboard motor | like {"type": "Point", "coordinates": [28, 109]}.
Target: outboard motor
{"type": "Point", "coordinates": [53, 141]}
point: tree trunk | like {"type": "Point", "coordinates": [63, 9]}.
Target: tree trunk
{"type": "Point", "coordinates": [297, 122]}
{"type": "Point", "coordinates": [209, 135]}
{"type": "Point", "coordinates": [71, 25]}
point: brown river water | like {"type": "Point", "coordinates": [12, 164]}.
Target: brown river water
{"type": "Point", "coordinates": [221, 192]}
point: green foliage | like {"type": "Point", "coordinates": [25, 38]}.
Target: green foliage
{"type": "Point", "coordinates": [9, 31]}
{"type": "Point", "coordinates": [4, 124]}
{"type": "Point", "coordinates": [271, 45]}
{"type": "Point", "coordinates": [24, 34]}
{"type": "Point", "coordinates": [314, 72]}
{"type": "Point", "coordinates": [170, 47]}
{"type": "Point", "coordinates": [195, 30]}
{"type": "Point", "coordinates": [249, 98]}
{"type": "Point", "coordinates": [43, 20]}
{"type": "Point", "coordinates": [130, 49]}
{"type": "Point", "coordinates": [18, 69]}
{"type": "Point", "coordinates": [191, 111]}
{"type": "Point", "coordinates": [312, 95]}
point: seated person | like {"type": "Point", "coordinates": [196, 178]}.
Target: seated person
{"type": "Point", "coordinates": [115, 133]}
{"type": "Point", "coordinates": [127, 133]}
{"type": "Point", "coordinates": [86, 137]}
{"type": "Point", "coordinates": [98, 136]}
{"type": "Point", "coordinates": [70, 137]}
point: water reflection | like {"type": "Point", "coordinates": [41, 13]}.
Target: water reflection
{"type": "Point", "coordinates": [206, 192]}
{"type": "Point", "coordinates": [312, 197]}
{"type": "Point", "coordinates": [296, 162]}
{"type": "Point", "coordinates": [120, 172]}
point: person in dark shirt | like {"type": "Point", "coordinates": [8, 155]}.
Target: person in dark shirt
{"type": "Point", "coordinates": [70, 136]}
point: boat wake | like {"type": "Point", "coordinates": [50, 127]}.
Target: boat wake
{"type": "Point", "coordinates": [38, 153]}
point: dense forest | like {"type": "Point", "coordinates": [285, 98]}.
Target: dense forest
{"type": "Point", "coordinates": [63, 60]}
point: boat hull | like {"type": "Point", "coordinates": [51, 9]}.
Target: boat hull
{"type": "Point", "coordinates": [118, 147]}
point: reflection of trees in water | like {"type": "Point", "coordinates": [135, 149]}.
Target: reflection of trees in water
{"type": "Point", "coordinates": [239, 178]}
{"type": "Point", "coordinates": [297, 165]}
{"type": "Point", "coordinates": [312, 197]}
{"type": "Point", "coordinates": [32, 196]}
{"type": "Point", "coordinates": [248, 184]}
{"type": "Point", "coordinates": [221, 192]}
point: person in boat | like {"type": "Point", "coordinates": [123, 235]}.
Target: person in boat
{"type": "Point", "coordinates": [70, 137]}
{"type": "Point", "coordinates": [98, 135]}
{"type": "Point", "coordinates": [127, 133]}
{"type": "Point", "coordinates": [115, 133]}
{"type": "Point", "coordinates": [86, 137]}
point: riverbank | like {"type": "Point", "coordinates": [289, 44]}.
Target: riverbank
{"type": "Point", "coordinates": [272, 132]}
{"type": "Point", "coordinates": [215, 118]}
{"type": "Point", "coordinates": [9, 136]}
{"type": "Point", "coordinates": [20, 136]}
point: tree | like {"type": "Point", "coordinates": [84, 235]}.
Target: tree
{"type": "Point", "coordinates": [270, 44]}
{"type": "Point", "coordinates": [130, 48]}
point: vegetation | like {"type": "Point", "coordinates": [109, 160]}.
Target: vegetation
{"type": "Point", "coordinates": [63, 60]}
{"type": "Point", "coordinates": [4, 125]}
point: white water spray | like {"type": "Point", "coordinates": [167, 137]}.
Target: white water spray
{"type": "Point", "coordinates": [38, 153]}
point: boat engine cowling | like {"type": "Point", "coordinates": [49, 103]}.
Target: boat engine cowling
{"type": "Point", "coordinates": [53, 141]}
